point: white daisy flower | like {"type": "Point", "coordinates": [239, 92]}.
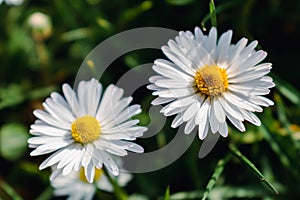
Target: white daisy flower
{"type": "Point", "coordinates": [82, 131]}
{"type": "Point", "coordinates": [76, 187]}
{"type": "Point", "coordinates": [209, 81]}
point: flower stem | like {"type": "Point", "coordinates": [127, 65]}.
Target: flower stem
{"type": "Point", "coordinates": [119, 192]}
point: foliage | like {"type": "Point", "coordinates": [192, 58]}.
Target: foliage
{"type": "Point", "coordinates": [36, 61]}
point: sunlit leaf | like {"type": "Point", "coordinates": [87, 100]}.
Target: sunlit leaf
{"type": "Point", "coordinates": [287, 90]}
{"type": "Point", "coordinates": [13, 140]}
{"type": "Point", "coordinates": [11, 96]}
{"type": "Point", "coordinates": [180, 2]}
{"type": "Point", "coordinates": [167, 194]}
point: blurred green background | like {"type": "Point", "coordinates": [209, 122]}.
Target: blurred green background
{"type": "Point", "coordinates": [37, 56]}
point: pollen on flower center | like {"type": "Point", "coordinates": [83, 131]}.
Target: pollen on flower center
{"type": "Point", "coordinates": [211, 80]}
{"type": "Point", "coordinates": [85, 129]}
{"type": "Point", "coordinates": [98, 173]}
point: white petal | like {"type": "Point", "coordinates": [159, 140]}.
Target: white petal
{"type": "Point", "coordinates": [218, 110]}
{"type": "Point", "coordinates": [223, 46]}
{"type": "Point", "coordinates": [263, 101]}
{"type": "Point", "coordinates": [58, 111]}
{"type": "Point", "coordinates": [48, 130]}
{"type": "Point", "coordinates": [249, 62]}
{"type": "Point", "coordinates": [168, 83]}
{"type": "Point", "coordinates": [198, 34]}
{"type": "Point", "coordinates": [94, 90]}
{"type": "Point", "coordinates": [248, 90]}
{"type": "Point", "coordinates": [175, 93]}
{"type": "Point", "coordinates": [223, 129]}
{"type": "Point", "coordinates": [203, 111]}
{"type": "Point", "coordinates": [257, 72]}
{"type": "Point", "coordinates": [177, 121]}
{"type": "Point", "coordinates": [211, 42]}
{"type": "Point", "coordinates": [89, 172]}
{"type": "Point", "coordinates": [241, 102]}
{"type": "Point", "coordinates": [72, 100]}
{"type": "Point", "coordinates": [160, 100]}
{"type": "Point", "coordinates": [249, 116]}
{"type": "Point", "coordinates": [191, 111]}
{"type": "Point", "coordinates": [236, 50]}
{"type": "Point", "coordinates": [82, 95]}
{"type": "Point", "coordinates": [180, 61]}
{"type": "Point", "coordinates": [183, 102]}
{"type": "Point", "coordinates": [232, 109]}
{"type": "Point", "coordinates": [214, 124]}
{"type": "Point", "coordinates": [237, 123]}
{"type": "Point", "coordinates": [203, 128]}
{"type": "Point", "coordinates": [51, 146]}
{"type": "Point", "coordinates": [44, 116]}
{"type": "Point", "coordinates": [109, 163]}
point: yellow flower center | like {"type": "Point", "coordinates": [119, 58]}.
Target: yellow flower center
{"type": "Point", "coordinates": [85, 129]}
{"type": "Point", "coordinates": [98, 173]}
{"type": "Point", "coordinates": [211, 80]}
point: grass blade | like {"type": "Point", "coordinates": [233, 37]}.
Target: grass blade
{"type": "Point", "coordinates": [9, 191]}
{"type": "Point", "coordinates": [287, 90]}
{"type": "Point", "coordinates": [218, 9]}
{"type": "Point", "coordinates": [167, 193]}
{"type": "Point", "coordinates": [218, 171]}
{"type": "Point", "coordinates": [248, 163]}
{"type": "Point", "coordinates": [212, 12]}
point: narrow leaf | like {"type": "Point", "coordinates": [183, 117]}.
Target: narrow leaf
{"type": "Point", "coordinates": [248, 163]}
{"type": "Point", "coordinates": [167, 193]}
{"type": "Point", "coordinates": [218, 9]}
{"type": "Point", "coordinates": [9, 191]}
{"type": "Point", "coordinates": [287, 90]}
{"type": "Point", "coordinates": [218, 171]}
{"type": "Point", "coordinates": [212, 11]}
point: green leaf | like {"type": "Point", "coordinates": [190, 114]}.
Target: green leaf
{"type": "Point", "coordinates": [218, 9]}
{"type": "Point", "coordinates": [132, 13]}
{"type": "Point", "coordinates": [179, 2]}
{"type": "Point", "coordinates": [218, 171]}
{"type": "Point", "coordinates": [212, 12]}
{"type": "Point", "coordinates": [248, 163]}
{"type": "Point", "coordinates": [284, 146]}
{"type": "Point", "coordinates": [13, 141]}
{"type": "Point", "coordinates": [167, 193]}
{"type": "Point", "coordinates": [226, 192]}
{"type": "Point", "coordinates": [287, 90]}
{"type": "Point", "coordinates": [11, 96]}
{"type": "Point", "coordinates": [9, 191]}
{"type": "Point", "coordinates": [41, 92]}
{"type": "Point", "coordinates": [77, 34]}
{"type": "Point", "coordinates": [137, 197]}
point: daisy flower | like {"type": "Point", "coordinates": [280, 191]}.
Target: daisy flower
{"type": "Point", "coordinates": [81, 130]}
{"type": "Point", "coordinates": [76, 187]}
{"type": "Point", "coordinates": [208, 82]}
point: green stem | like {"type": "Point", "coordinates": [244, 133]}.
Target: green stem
{"type": "Point", "coordinates": [248, 163]}
{"type": "Point", "coordinates": [212, 11]}
{"type": "Point", "coordinates": [218, 171]}
{"type": "Point", "coordinates": [119, 192]}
